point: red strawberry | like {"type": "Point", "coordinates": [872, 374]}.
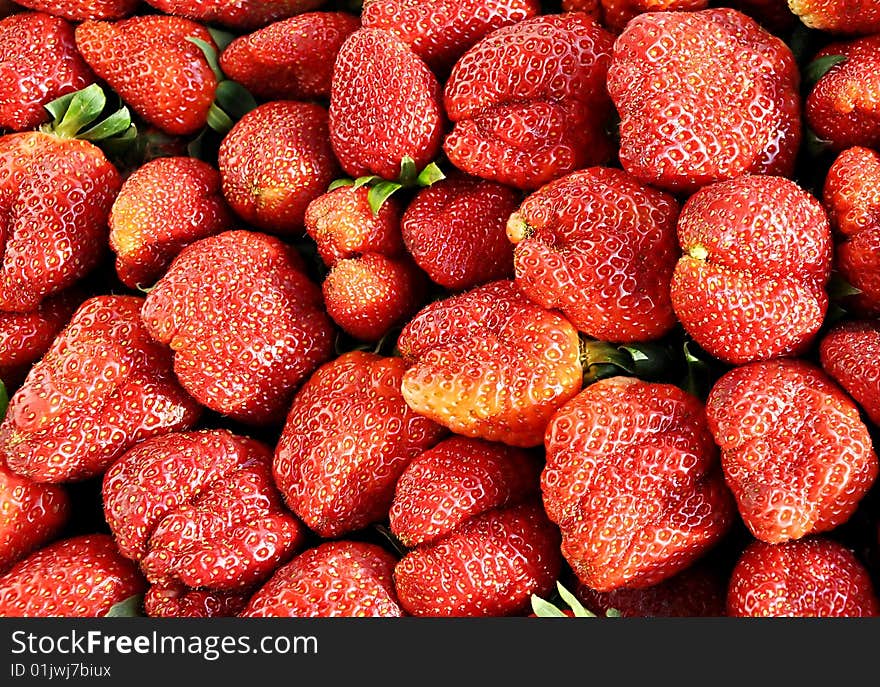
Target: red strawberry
{"type": "Point", "coordinates": [348, 437]}
{"type": "Point", "coordinates": [163, 206]}
{"type": "Point", "coordinates": [181, 602]}
{"type": "Point", "coordinates": [617, 13]}
{"type": "Point", "coordinates": [384, 106]}
{"type": "Point", "coordinates": [490, 364]}
{"type": "Point", "coordinates": [529, 102]}
{"type": "Point", "coordinates": [79, 10]}
{"type": "Point", "coordinates": [103, 386]}
{"type": "Point", "coordinates": [455, 230]}
{"type": "Point", "coordinates": [291, 59]}
{"type": "Point", "coordinates": [581, 243]}
{"type": "Point", "coordinates": [488, 566]}
{"type": "Point", "coordinates": [838, 16]}
{"type": "Point", "coordinates": [82, 576]}
{"type": "Point", "coordinates": [149, 61]}
{"type": "Point", "coordinates": [632, 479]}
{"type": "Point", "coordinates": [243, 15]}
{"type": "Point", "coordinates": [245, 322]}
{"type": "Point", "coordinates": [814, 577]}
{"type": "Point", "coordinates": [334, 579]}
{"type": "Point", "coordinates": [757, 257]}
{"type": "Point", "coordinates": [850, 354]}
{"type": "Point", "coordinates": [794, 450]}
{"type": "Point", "coordinates": [274, 162]}
{"type": "Point", "coordinates": [670, 73]}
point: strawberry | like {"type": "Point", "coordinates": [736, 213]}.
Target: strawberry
{"type": "Point", "coordinates": [670, 73]}
{"type": "Point", "coordinates": [290, 59]}
{"type": "Point", "coordinates": [334, 579]}
{"type": "Point", "coordinates": [177, 601]}
{"type": "Point", "coordinates": [245, 323]}
{"type": "Point", "coordinates": [616, 14]}
{"type": "Point", "coordinates": [580, 247]}
{"type": "Point", "coordinates": [243, 15]}
{"type": "Point", "coordinates": [384, 106]}
{"type": "Point", "coordinates": [82, 576]}
{"type": "Point", "coordinates": [490, 364]}
{"type": "Point", "coordinates": [103, 386]}
{"type": "Point", "coordinates": [490, 565]}
{"type": "Point", "coordinates": [757, 258]}
{"type": "Point", "coordinates": [794, 451]}
{"type": "Point", "coordinates": [155, 68]}
{"type": "Point", "coordinates": [633, 481]}
{"type": "Point", "coordinates": [813, 577]}
{"type": "Point", "coordinates": [163, 206]}
{"type": "Point", "coordinates": [441, 31]}
{"type": "Point", "coordinates": [274, 161]}
{"type": "Point", "coordinates": [347, 439]}
{"type": "Point", "coordinates": [850, 354]}
{"type": "Point", "coordinates": [529, 102]}
{"type": "Point", "coordinates": [80, 10]}
{"type": "Point", "coordinates": [455, 231]}
{"type": "Point", "coordinates": [838, 16]}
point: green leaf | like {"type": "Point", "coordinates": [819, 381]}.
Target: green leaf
{"type": "Point", "coordinates": [815, 147]}
{"type": "Point", "coordinates": [431, 174]}
{"type": "Point", "coordinates": [339, 183]}
{"type": "Point", "coordinates": [83, 108]}
{"type": "Point", "coordinates": [839, 288]}
{"type": "Point", "coordinates": [698, 378]}
{"type": "Point", "coordinates": [613, 613]}
{"type": "Point", "coordinates": [4, 400]}
{"type": "Point", "coordinates": [197, 147]}
{"type": "Point", "coordinates": [575, 605]}
{"type": "Point", "coordinates": [218, 120]}
{"type": "Point", "coordinates": [818, 68]}
{"type": "Point", "coordinates": [127, 608]}
{"type": "Point", "coordinates": [365, 181]}
{"type": "Point", "coordinates": [121, 145]}
{"type": "Point", "coordinates": [115, 124]}
{"type": "Point", "coordinates": [234, 99]}
{"type": "Point", "coordinates": [210, 54]}
{"type": "Point", "coordinates": [221, 38]}
{"type": "Point", "coordinates": [380, 193]}
{"type": "Point", "coordinates": [408, 171]}
{"type": "Point", "coordinates": [59, 106]}
{"type": "Point", "coordinates": [649, 360]}
{"type": "Point", "coordinates": [544, 609]}
{"type": "Point", "coordinates": [600, 359]}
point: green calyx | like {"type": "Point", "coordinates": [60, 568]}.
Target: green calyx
{"type": "Point", "coordinates": [600, 359]}
{"type": "Point", "coordinates": [546, 609]}
{"type": "Point", "coordinates": [818, 68]}
{"type": "Point", "coordinates": [4, 400]}
{"type": "Point", "coordinates": [382, 189]}
{"type": "Point", "coordinates": [79, 115]}
{"type": "Point", "coordinates": [127, 608]}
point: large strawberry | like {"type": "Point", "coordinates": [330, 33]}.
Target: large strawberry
{"type": "Point", "coordinates": [794, 450]}
{"type": "Point", "coordinates": [838, 16]}
{"type": "Point", "coordinates": [529, 102]}
{"type": "Point", "coordinates": [757, 258]}
{"type": "Point", "coordinates": [243, 15]}
{"type": "Point", "coordinates": [850, 354]}
{"type": "Point", "coordinates": [80, 10]}
{"type": "Point", "coordinates": [670, 74]}
{"type": "Point", "coordinates": [244, 321]}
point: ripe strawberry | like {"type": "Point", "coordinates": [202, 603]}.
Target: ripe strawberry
{"type": "Point", "coordinates": [334, 579]}
{"type": "Point", "coordinates": [838, 16]}
{"type": "Point", "coordinates": [82, 576]}
{"type": "Point", "coordinates": [670, 74]}
{"type": "Point", "coordinates": [581, 243]}
{"type": "Point", "coordinates": [243, 15]}
{"type": "Point", "coordinates": [154, 67]}
{"type": "Point", "coordinates": [795, 452]}
{"type": "Point", "coordinates": [441, 31]}
{"type": "Point", "coordinates": [616, 14]}
{"type": "Point", "coordinates": [290, 59]}
{"type": "Point", "coordinates": [757, 257]}
{"type": "Point", "coordinates": [813, 577]}
{"type": "Point", "coordinates": [245, 322]}
{"type": "Point", "coordinates": [103, 386]}
{"type": "Point", "coordinates": [274, 162]}
{"type": "Point", "coordinates": [455, 231]}
{"type": "Point", "coordinates": [384, 106]}
{"type": "Point", "coordinates": [178, 601]}
{"type": "Point", "coordinates": [163, 206]}
{"type": "Point", "coordinates": [633, 481]}
{"type": "Point", "coordinates": [80, 10]}
{"type": "Point", "coordinates": [348, 437]}
{"type": "Point", "coordinates": [490, 364]}
{"type": "Point", "coordinates": [490, 565]}
{"type": "Point", "coordinates": [850, 354]}
{"type": "Point", "coordinates": [529, 102]}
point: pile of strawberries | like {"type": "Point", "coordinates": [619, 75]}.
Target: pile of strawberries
{"type": "Point", "coordinates": [440, 308]}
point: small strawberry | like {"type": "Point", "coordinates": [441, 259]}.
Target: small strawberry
{"type": "Point", "coordinates": [80, 10]}
{"type": "Point", "coordinates": [838, 16]}
{"type": "Point", "coordinates": [850, 354]}
{"type": "Point", "coordinates": [242, 15]}
{"type": "Point", "coordinates": [794, 450]}
{"type": "Point", "coordinates": [334, 579]}
{"type": "Point", "coordinates": [82, 576]}
{"type": "Point", "coordinates": [177, 601]}
{"type": "Point", "coordinates": [348, 437]}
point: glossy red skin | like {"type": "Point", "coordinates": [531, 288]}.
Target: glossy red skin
{"type": "Point", "coordinates": [456, 231]}
{"type": "Point", "coordinates": [704, 96]}
{"type": "Point", "coordinates": [150, 63]}
{"type": "Point", "coordinates": [633, 481]}
{"type": "Point", "coordinates": [243, 15]}
{"type": "Point", "coordinates": [79, 10]}
{"type": "Point", "coordinates": [79, 577]}
{"type": "Point", "coordinates": [490, 364]}
{"type": "Point", "coordinates": [385, 104]}
{"type": "Point", "coordinates": [757, 257]}
{"type": "Point", "coordinates": [348, 437]}
{"type": "Point", "coordinates": [223, 306]}
{"type": "Point", "coordinates": [50, 242]}
{"type": "Point", "coordinates": [182, 602]}
{"type": "Point", "coordinates": [440, 32]}
{"type": "Point", "coordinates": [838, 16]}
{"type": "Point", "coordinates": [809, 578]}
{"type": "Point", "coordinates": [489, 566]}
{"type": "Point", "coordinates": [164, 205]}
{"type": "Point", "coordinates": [103, 386]}
{"type": "Point", "coordinates": [615, 14]}
{"type": "Point", "coordinates": [334, 579]}
{"type": "Point", "coordinates": [38, 63]}
{"type": "Point", "coordinates": [274, 162]}
{"type": "Point", "coordinates": [581, 243]}
{"type": "Point", "coordinates": [794, 450]}
{"type": "Point", "coordinates": [850, 354]}
{"type": "Point", "coordinates": [529, 102]}
{"type": "Point", "coordinates": [200, 509]}
{"type": "Point", "coordinates": [290, 59]}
